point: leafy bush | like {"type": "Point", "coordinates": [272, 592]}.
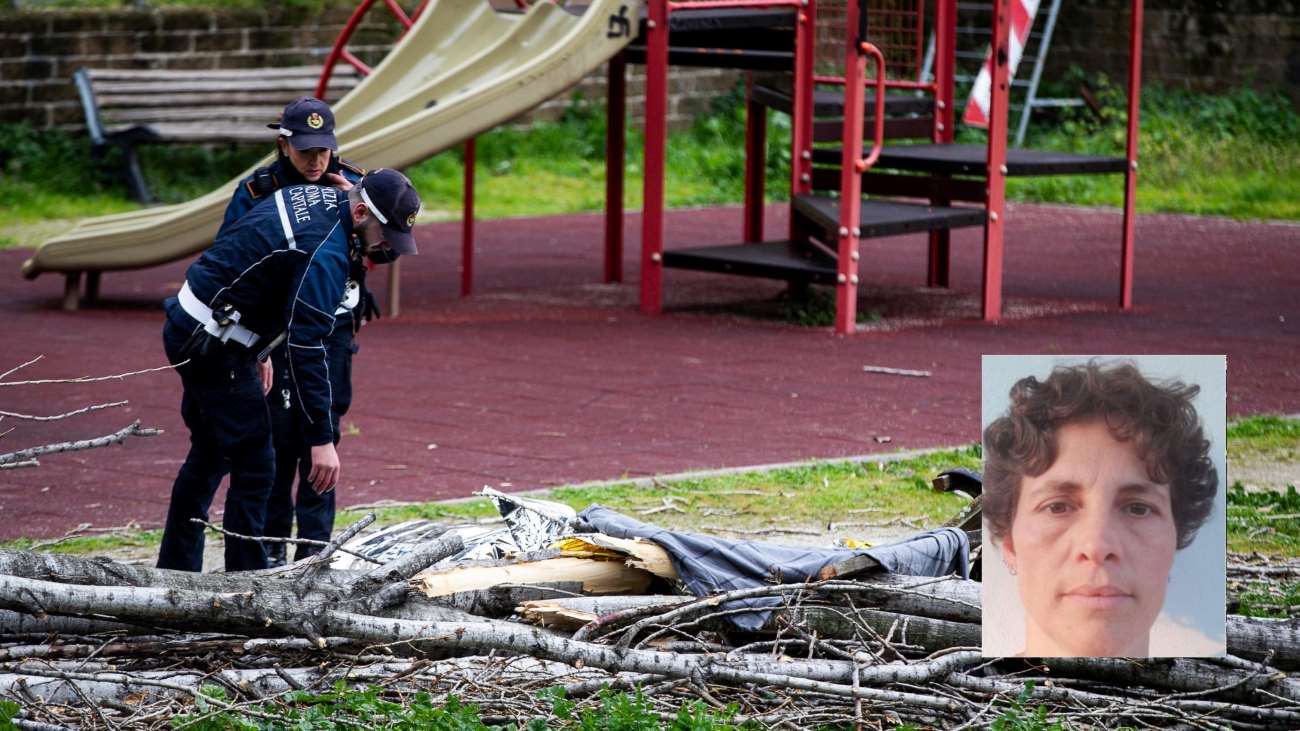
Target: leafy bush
{"type": "Point", "coordinates": [351, 708]}
{"type": "Point", "coordinates": [1220, 154]}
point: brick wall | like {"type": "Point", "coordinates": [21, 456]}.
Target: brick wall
{"type": "Point", "coordinates": [1205, 45]}
{"type": "Point", "coordinates": [1190, 43]}
{"type": "Point", "coordinates": [39, 50]}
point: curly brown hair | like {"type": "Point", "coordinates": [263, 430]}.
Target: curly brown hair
{"type": "Point", "coordinates": [1158, 418]}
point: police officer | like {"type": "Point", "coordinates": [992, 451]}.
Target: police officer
{"type": "Point", "coordinates": [278, 273]}
{"type": "Point", "coordinates": [306, 153]}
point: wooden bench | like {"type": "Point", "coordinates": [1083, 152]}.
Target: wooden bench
{"type": "Point", "coordinates": [125, 108]}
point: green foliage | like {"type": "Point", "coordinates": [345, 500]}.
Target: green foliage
{"type": "Point", "coordinates": [1264, 426]}
{"type": "Point", "coordinates": [815, 307]}
{"type": "Point", "coordinates": [8, 712]}
{"type": "Point", "coordinates": [1253, 523]}
{"type": "Point", "coordinates": [1275, 599]}
{"type": "Point", "coordinates": [337, 710]}
{"type": "Point", "coordinates": [51, 174]}
{"type": "Point", "coordinates": [351, 708]}
{"type": "Point", "coordinates": [559, 167]}
{"type": "Point", "coordinates": [1264, 438]}
{"type": "Point", "coordinates": [1020, 718]}
{"type": "Point", "coordinates": [1227, 154]}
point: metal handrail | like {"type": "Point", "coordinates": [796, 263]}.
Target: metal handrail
{"type": "Point", "coordinates": [878, 141]}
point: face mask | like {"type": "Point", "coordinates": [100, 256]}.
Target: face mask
{"type": "Point", "coordinates": [382, 256]}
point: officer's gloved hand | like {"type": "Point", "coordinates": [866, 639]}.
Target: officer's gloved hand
{"type": "Point", "coordinates": [370, 306]}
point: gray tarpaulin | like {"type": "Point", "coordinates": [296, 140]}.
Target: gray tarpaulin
{"type": "Point", "coordinates": [709, 565]}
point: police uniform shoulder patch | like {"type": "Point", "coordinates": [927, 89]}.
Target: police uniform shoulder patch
{"type": "Point", "coordinates": [351, 166]}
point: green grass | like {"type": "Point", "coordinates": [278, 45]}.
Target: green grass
{"type": "Point", "coordinates": [1265, 437]}
{"type": "Point", "coordinates": [1255, 521]}
{"type": "Point", "coordinates": [806, 497]}
{"type": "Point", "coordinates": [1230, 155]}
{"type": "Point", "coordinates": [803, 497]}
{"type": "Point", "coordinates": [372, 707]}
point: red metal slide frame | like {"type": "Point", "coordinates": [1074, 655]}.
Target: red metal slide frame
{"type": "Point", "coordinates": [943, 90]}
{"type": "Point", "coordinates": [656, 133]}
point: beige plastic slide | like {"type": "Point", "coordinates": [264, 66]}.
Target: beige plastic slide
{"type": "Point", "coordinates": [462, 69]}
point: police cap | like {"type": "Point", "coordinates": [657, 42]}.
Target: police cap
{"type": "Point", "coordinates": [308, 123]}
{"type": "Point", "coordinates": [391, 197]}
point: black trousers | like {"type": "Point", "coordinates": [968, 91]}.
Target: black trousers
{"type": "Point", "coordinates": [230, 433]}
{"type": "Point", "coordinates": [315, 513]}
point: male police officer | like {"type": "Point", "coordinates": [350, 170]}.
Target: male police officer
{"type": "Point", "coordinates": [306, 153]}
{"type": "Point", "coordinates": [279, 270]}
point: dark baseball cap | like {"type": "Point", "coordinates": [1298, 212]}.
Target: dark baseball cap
{"type": "Point", "coordinates": [308, 123]}
{"type": "Point", "coordinates": [391, 197]}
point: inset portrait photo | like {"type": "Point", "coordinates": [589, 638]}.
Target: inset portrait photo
{"type": "Point", "coordinates": [1104, 531]}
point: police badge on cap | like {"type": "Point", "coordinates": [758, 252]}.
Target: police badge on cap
{"type": "Point", "coordinates": [308, 123]}
{"type": "Point", "coordinates": [393, 200]}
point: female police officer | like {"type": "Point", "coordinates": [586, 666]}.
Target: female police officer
{"type": "Point", "coordinates": [281, 269]}
{"type": "Point", "coordinates": [306, 153]}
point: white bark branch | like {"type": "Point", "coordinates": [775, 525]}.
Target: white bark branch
{"type": "Point", "coordinates": [56, 417]}
{"type": "Point", "coordinates": [86, 379]}
{"type": "Point", "coordinates": [117, 437]}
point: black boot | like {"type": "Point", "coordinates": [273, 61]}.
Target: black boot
{"type": "Point", "coordinates": [275, 555]}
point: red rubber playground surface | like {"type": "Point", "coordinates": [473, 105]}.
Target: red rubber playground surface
{"type": "Point", "coordinates": [547, 377]}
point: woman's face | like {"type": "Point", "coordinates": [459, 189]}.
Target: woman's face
{"type": "Point", "coordinates": [1092, 541]}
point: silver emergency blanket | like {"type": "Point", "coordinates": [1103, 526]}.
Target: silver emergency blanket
{"type": "Point", "coordinates": [530, 525]}
{"type": "Point", "coordinates": [534, 524]}
{"type": "Point", "coordinates": [709, 565]}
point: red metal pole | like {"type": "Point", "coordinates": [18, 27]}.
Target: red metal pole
{"type": "Point", "coordinates": [615, 142]}
{"type": "Point", "coordinates": [339, 47]}
{"type": "Point", "coordinates": [1130, 175]}
{"type": "Point", "coordinates": [656, 133]}
{"type": "Point", "coordinates": [802, 122]}
{"type": "Point", "coordinates": [467, 225]}
{"type": "Point", "coordinates": [945, 56]}
{"type": "Point", "coordinates": [997, 159]}
{"type": "Point", "coordinates": [755, 162]}
{"type": "Point", "coordinates": [846, 287]}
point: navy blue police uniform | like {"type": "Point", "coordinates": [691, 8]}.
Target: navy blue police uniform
{"type": "Point", "coordinates": [315, 512]}
{"type": "Point", "coordinates": [282, 268]}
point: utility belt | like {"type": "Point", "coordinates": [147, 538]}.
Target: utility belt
{"type": "Point", "coordinates": [222, 326]}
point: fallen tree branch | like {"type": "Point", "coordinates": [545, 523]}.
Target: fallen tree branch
{"type": "Point", "coordinates": [117, 437]}
{"type": "Point", "coordinates": [56, 417]}
{"type": "Point", "coordinates": [85, 379]}
{"type": "Point", "coordinates": [278, 539]}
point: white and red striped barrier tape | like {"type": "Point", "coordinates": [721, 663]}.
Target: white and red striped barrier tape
{"type": "Point", "coordinates": [1022, 19]}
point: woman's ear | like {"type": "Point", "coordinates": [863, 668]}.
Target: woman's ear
{"type": "Point", "coordinates": [1009, 553]}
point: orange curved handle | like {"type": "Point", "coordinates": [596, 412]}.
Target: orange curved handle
{"type": "Point", "coordinates": [878, 136]}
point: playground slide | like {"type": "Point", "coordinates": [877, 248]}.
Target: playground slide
{"type": "Point", "coordinates": [461, 70]}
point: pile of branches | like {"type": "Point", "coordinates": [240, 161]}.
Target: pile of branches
{"type": "Point", "coordinates": [100, 644]}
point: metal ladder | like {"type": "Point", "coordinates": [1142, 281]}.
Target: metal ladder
{"type": "Point", "coordinates": [1036, 48]}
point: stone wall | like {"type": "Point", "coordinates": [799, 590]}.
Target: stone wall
{"type": "Point", "coordinates": [39, 50]}
{"type": "Point", "coordinates": [1205, 45]}
{"type": "Point", "coordinates": [1194, 44]}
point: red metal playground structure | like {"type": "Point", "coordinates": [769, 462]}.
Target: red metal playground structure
{"type": "Point", "coordinates": [839, 195]}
